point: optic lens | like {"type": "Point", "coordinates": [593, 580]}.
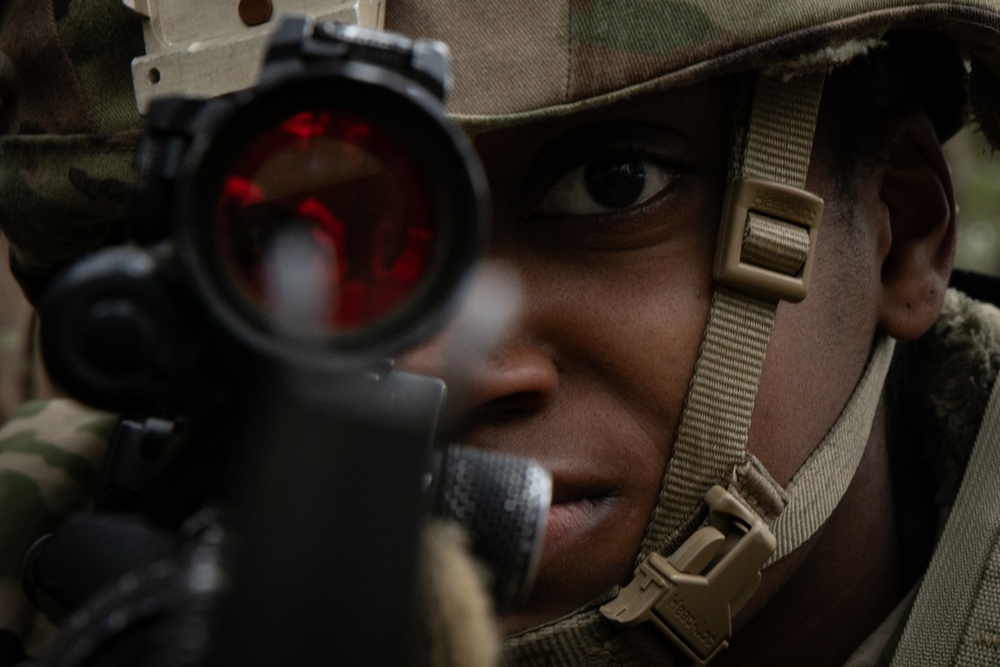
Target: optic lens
{"type": "Point", "coordinates": [325, 224]}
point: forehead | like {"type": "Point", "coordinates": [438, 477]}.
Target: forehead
{"type": "Point", "coordinates": [701, 116]}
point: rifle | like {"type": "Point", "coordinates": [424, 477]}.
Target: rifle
{"type": "Point", "coordinates": [287, 241]}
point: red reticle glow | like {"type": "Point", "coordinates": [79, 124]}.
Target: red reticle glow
{"type": "Point", "coordinates": [355, 208]}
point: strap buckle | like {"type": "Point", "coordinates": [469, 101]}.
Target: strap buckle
{"type": "Point", "coordinates": [796, 207]}
{"type": "Point", "coordinates": [691, 596]}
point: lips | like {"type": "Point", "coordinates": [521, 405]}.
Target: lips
{"type": "Point", "coordinates": [577, 509]}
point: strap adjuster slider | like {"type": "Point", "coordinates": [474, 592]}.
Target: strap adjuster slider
{"type": "Point", "coordinates": [793, 211]}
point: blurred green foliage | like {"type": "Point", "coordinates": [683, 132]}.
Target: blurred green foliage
{"type": "Point", "coordinates": [976, 168]}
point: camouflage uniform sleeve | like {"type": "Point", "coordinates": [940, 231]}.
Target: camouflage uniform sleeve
{"type": "Point", "coordinates": [51, 453]}
{"type": "Point", "coordinates": [22, 373]}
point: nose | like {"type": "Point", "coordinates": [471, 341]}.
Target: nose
{"type": "Point", "coordinates": [493, 367]}
{"type": "Point", "coordinates": [514, 380]}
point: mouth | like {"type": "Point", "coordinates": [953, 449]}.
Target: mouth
{"type": "Point", "coordinates": [577, 509]}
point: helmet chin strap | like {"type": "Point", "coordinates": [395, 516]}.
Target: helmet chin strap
{"type": "Point", "coordinates": [690, 580]}
{"type": "Point", "coordinates": [764, 255]}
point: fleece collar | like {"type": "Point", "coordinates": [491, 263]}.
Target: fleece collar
{"type": "Point", "coordinates": [940, 384]}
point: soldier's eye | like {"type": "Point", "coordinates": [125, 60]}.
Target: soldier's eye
{"type": "Point", "coordinates": [604, 185]}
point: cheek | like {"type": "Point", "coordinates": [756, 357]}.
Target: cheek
{"type": "Point", "coordinates": [818, 350]}
{"type": "Point", "coordinates": [629, 327]}
{"type": "Point", "coordinates": [624, 334]}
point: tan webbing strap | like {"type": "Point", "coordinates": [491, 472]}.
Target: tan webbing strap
{"type": "Point", "coordinates": [714, 427]}
{"type": "Point", "coordinates": [712, 437]}
{"type": "Point", "coordinates": [782, 128]}
{"type": "Point", "coordinates": [818, 486]}
{"type": "Point", "coordinates": [939, 630]}
{"type": "Point", "coordinates": [774, 246]}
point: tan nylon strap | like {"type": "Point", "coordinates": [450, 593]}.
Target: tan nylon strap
{"type": "Point", "coordinates": [775, 245]}
{"type": "Point", "coordinates": [980, 644]}
{"type": "Point", "coordinates": [820, 483]}
{"type": "Point", "coordinates": [714, 427]}
{"type": "Point", "coordinates": [711, 439]}
{"type": "Point", "coordinates": [942, 628]}
{"type": "Point", "coordinates": [782, 127]}
{"type": "Point", "coordinates": [582, 638]}
{"type": "Point", "coordinates": [712, 436]}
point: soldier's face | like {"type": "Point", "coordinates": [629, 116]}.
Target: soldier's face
{"type": "Point", "coordinates": [610, 218]}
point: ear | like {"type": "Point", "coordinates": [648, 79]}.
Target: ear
{"type": "Point", "coordinates": [916, 190]}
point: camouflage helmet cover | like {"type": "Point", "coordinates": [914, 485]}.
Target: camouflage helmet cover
{"type": "Point", "coordinates": [514, 62]}
{"type": "Point", "coordinates": [65, 80]}
{"type": "Point", "coordinates": [71, 124]}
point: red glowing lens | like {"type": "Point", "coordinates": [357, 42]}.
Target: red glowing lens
{"type": "Point", "coordinates": [325, 223]}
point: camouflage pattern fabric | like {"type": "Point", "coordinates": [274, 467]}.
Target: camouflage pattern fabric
{"type": "Point", "coordinates": [514, 62]}
{"type": "Point", "coordinates": [70, 124]}
{"type": "Point", "coordinates": [71, 121]}
{"type": "Point", "coordinates": [51, 455]}
{"type": "Point", "coordinates": [22, 376]}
